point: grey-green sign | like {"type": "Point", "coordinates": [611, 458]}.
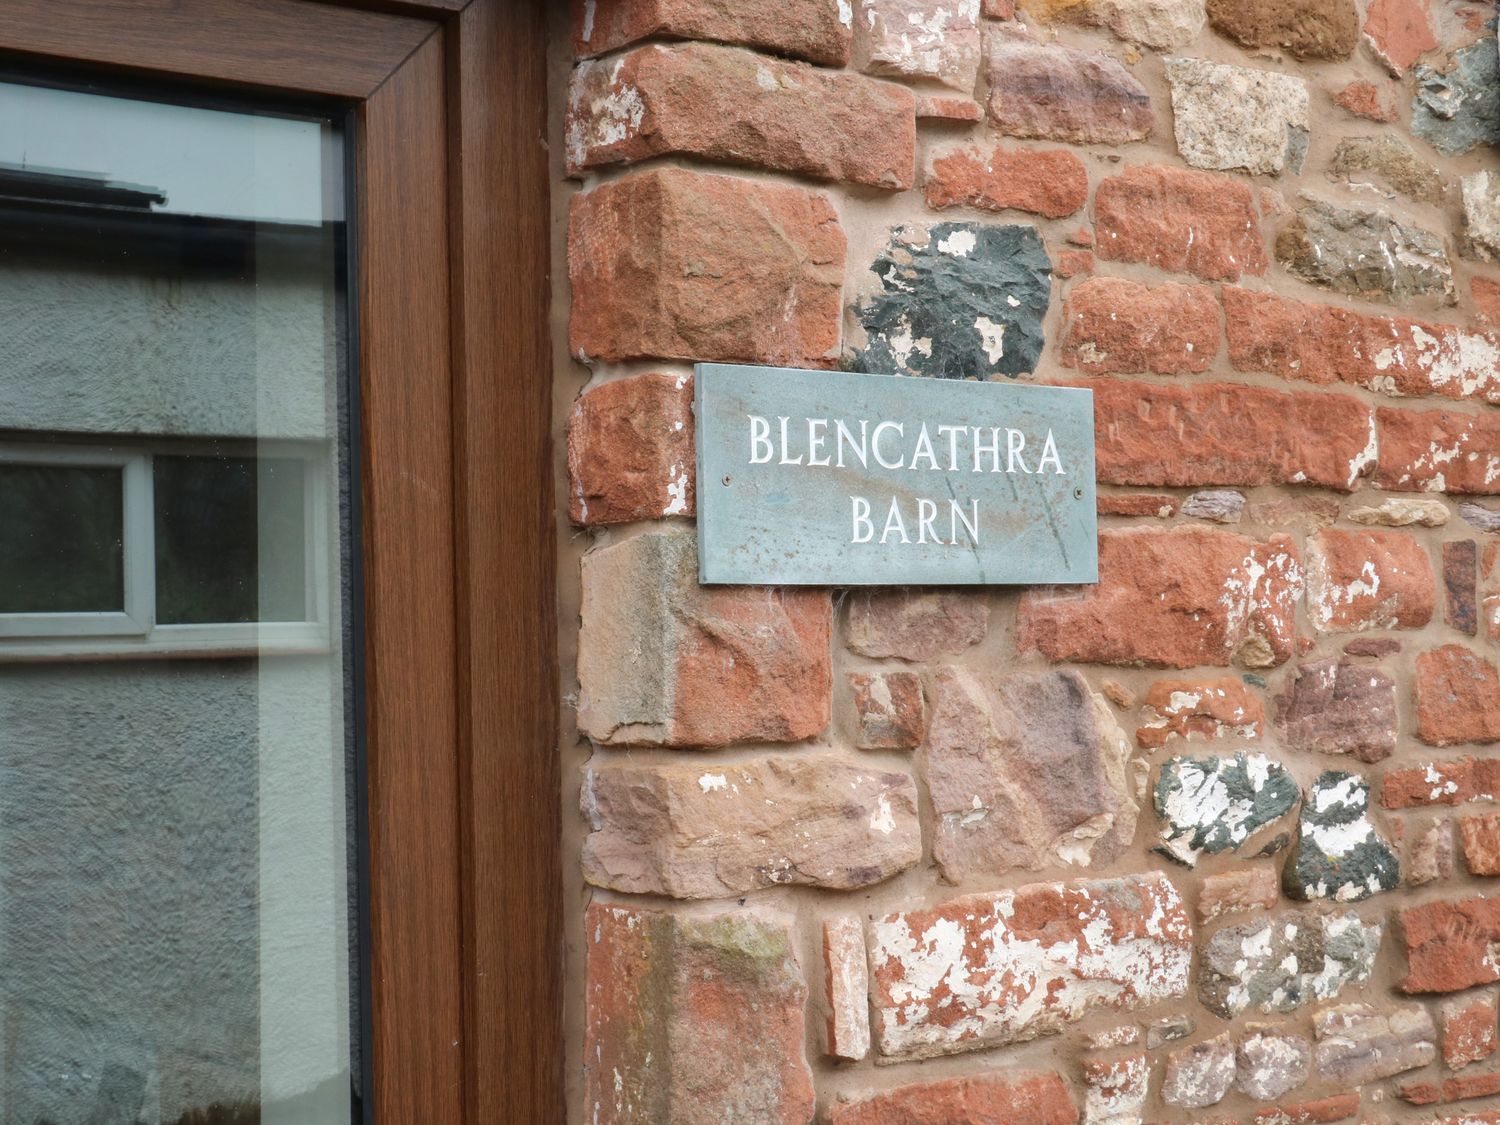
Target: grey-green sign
{"type": "Point", "coordinates": [830, 478]}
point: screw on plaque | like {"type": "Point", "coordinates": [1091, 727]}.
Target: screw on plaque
{"type": "Point", "coordinates": [727, 479]}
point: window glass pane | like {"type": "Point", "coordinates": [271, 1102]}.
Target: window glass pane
{"type": "Point", "coordinates": [62, 543]}
{"type": "Point", "coordinates": [230, 539]}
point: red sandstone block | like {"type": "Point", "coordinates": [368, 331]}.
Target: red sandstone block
{"type": "Point", "coordinates": [1016, 1098]}
{"type": "Point", "coordinates": [1339, 1107]}
{"type": "Point", "coordinates": [1438, 451]}
{"type": "Point", "coordinates": [1458, 697]}
{"type": "Point", "coordinates": [1359, 580]}
{"type": "Point", "coordinates": [1174, 599]}
{"type": "Point", "coordinates": [736, 107]}
{"type": "Point", "coordinates": [1448, 944]}
{"type": "Point", "coordinates": [1469, 1029]}
{"type": "Point", "coordinates": [681, 265]}
{"type": "Point", "coordinates": [816, 30]}
{"type": "Point", "coordinates": [1179, 220]}
{"type": "Point", "coordinates": [1364, 99]}
{"type": "Point", "coordinates": [1196, 434]}
{"type": "Point", "coordinates": [1072, 263]}
{"type": "Point", "coordinates": [888, 710]}
{"type": "Point", "coordinates": [1437, 783]}
{"type": "Point", "coordinates": [1052, 182]}
{"type": "Point", "coordinates": [846, 985]}
{"type": "Point", "coordinates": [1486, 294]}
{"type": "Point", "coordinates": [1328, 344]}
{"type": "Point", "coordinates": [1471, 1086]}
{"type": "Point", "coordinates": [1158, 505]}
{"type": "Point", "coordinates": [1112, 325]}
{"type": "Point", "coordinates": [1400, 32]}
{"type": "Point", "coordinates": [1198, 710]}
{"type": "Point", "coordinates": [1481, 841]}
{"type": "Point", "coordinates": [630, 451]}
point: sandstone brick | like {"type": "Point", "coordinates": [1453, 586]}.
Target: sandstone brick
{"type": "Point", "coordinates": [1469, 1029]}
{"type": "Point", "coordinates": [1362, 98]}
{"type": "Point", "coordinates": [948, 107]}
{"type": "Point", "coordinates": [1310, 29]}
{"type": "Point", "coordinates": [1121, 1035]}
{"type": "Point", "coordinates": [1158, 24]}
{"type": "Point", "coordinates": [1180, 220]}
{"type": "Point", "coordinates": [1306, 514]}
{"type": "Point", "coordinates": [1399, 32]}
{"type": "Point", "coordinates": [1442, 783]}
{"type": "Point", "coordinates": [1115, 1089]}
{"type": "Point", "coordinates": [1401, 512]}
{"type": "Point", "coordinates": [1172, 599]}
{"type": "Point", "coordinates": [1229, 434]}
{"type": "Point", "coordinates": [846, 979]}
{"type": "Point", "coordinates": [915, 39]}
{"type": "Point", "coordinates": [733, 106]}
{"type": "Point", "coordinates": [630, 451]}
{"type": "Point", "coordinates": [1283, 963]}
{"type": "Point", "coordinates": [1481, 841]}
{"type": "Point", "coordinates": [1238, 891]}
{"type": "Point", "coordinates": [816, 30]}
{"type": "Point", "coordinates": [1234, 117]}
{"type": "Point", "coordinates": [1429, 854]}
{"type": "Point", "coordinates": [1012, 965]}
{"type": "Point", "coordinates": [1394, 161]}
{"type": "Point", "coordinates": [915, 624]}
{"type": "Point", "coordinates": [1025, 770]}
{"type": "Point", "coordinates": [1199, 1075]}
{"type": "Point", "coordinates": [1449, 944]}
{"type": "Point", "coordinates": [1053, 183]}
{"type": "Point", "coordinates": [1372, 646]}
{"type": "Point", "coordinates": [1016, 1098]}
{"type": "Point", "coordinates": [1199, 710]}
{"type": "Point", "coordinates": [1438, 451]}
{"type": "Point", "coordinates": [1325, 344]}
{"type": "Point", "coordinates": [1365, 252]}
{"type": "Point", "coordinates": [1481, 196]}
{"type": "Point", "coordinates": [1116, 325]}
{"type": "Point", "coordinates": [1458, 697]}
{"type": "Point", "coordinates": [1461, 586]}
{"type": "Point", "coordinates": [693, 1019]}
{"type": "Point", "coordinates": [696, 831]}
{"type": "Point", "coordinates": [889, 713]}
{"type": "Point", "coordinates": [1336, 1107]}
{"type": "Point", "coordinates": [1471, 1086]}
{"type": "Point", "coordinates": [674, 264]}
{"type": "Point", "coordinates": [1061, 93]}
{"type": "Point", "coordinates": [1073, 263]}
{"type": "Point", "coordinates": [1358, 1044]}
{"type": "Point", "coordinates": [663, 661]}
{"type": "Point", "coordinates": [1358, 580]}
{"type": "Point", "coordinates": [1339, 707]}
{"type": "Point", "coordinates": [1485, 292]}
{"type": "Point", "coordinates": [1156, 505]}
{"type": "Point", "coordinates": [1271, 1061]}
{"type": "Point", "coordinates": [1000, 9]}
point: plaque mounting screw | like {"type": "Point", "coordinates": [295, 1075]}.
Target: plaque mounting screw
{"type": "Point", "coordinates": [727, 479]}
{"type": "Point", "coordinates": [1078, 494]}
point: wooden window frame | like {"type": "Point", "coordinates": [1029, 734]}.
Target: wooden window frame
{"type": "Point", "coordinates": [464, 891]}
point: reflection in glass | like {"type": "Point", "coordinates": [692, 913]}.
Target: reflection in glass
{"type": "Point", "coordinates": [62, 541]}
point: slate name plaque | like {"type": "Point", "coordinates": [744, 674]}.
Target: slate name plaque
{"type": "Point", "coordinates": [828, 478]}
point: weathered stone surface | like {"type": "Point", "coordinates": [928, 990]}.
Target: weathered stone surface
{"type": "Point", "coordinates": [693, 1019]}
{"type": "Point", "coordinates": [1173, 599]}
{"type": "Point", "coordinates": [1359, 1044]}
{"type": "Point", "coordinates": [1364, 253]}
{"type": "Point", "coordinates": [663, 661]}
{"type": "Point", "coordinates": [888, 710]}
{"type": "Point", "coordinates": [816, 30]}
{"type": "Point", "coordinates": [1025, 770]}
{"type": "Point", "coordinates": [1482, 519]}
{"type": "Point", "coordinates": [1450, 944]}
{"type": "Point", "coordinates": [956, 301]}
{"type": "Point", "coordinates": [1199, 1075]}
{"type": "Point", "coordinates": [1113, 324]}
{"type": "Point", "coordinates": [1168, 1030]}
{"type": "Point", "coordinates": [1197, 710]}
{"type": "Point", "coordinates": [1438, 451]}
{"type": "Point", "coordinates": [1218, 505]}
{"type": "Point", "coordinates": [1429, 853]}
{"type": "Point", "coordinates": [1485, 292]}
{"type": "Point", "coordinates": [1457, 108]}
{"type": "Point", "coordinates": [1339, 707]}
{"type": "Point", "coordinates": [1179, 220]}
{"type": "Point", "coordinates": [1229, 434]}
{"type": "Point", "coordinates": [1327, 344]}
{"type": "Point", "coordinates": [1000, 968]}
{"type": "Point", "coordinates": [1399, 32]}
{"type": "Point", "coordinates": [1461, 586]}
{"type": "Point", "coordinates": [1280, 964]}
{"type": "Point", "coordinates": [1401, 513]}
{"type": "Point", "coordinates": [630, 451]}
{"type": "Point", "coordinates": [737, 107]}
{"type": "Point", "coordinates": [1061, 93]}
{"type": "Point", "coordinates": [1115, 1089]}
{"type": "Point", "coordinates": [915, 624]}
{"type": "Point", "coordinates": [1053, 183]}
{"type": "Point", "coordinates": [696, 831]}
{"type": "Point", "coordinates": [846, 988]}
{"type": "Point", "coordinates": [937, 39]}
{"type": "Point", "coordinates": [1234, 117]}
{"type": "Point", "coordinates": [1458, 697]}
{"type": "Point", "coordinates": [1305, 29]}
{"type": "Point", "coordinates": [1015, 1098]}
{"type": "Point", "coordinates": [1158, 24]}
{"type": "Point", "coordinates": [1469, 1029]}
{"type": "Point", "coordinates": [1358, 580]}
{"type": "Point", "coordinates": [1442, 783]}
{"type": "Point", "coordinates": [1481, 194]}
{"type": "Point", "coordinates": [1393, 160]}
{"type": "Point", "coordinates": [1338, 854]}
{"type": "Point", "coordinates": [1372, 646]}
{"type": "Point", "coordinates": [1271, 1061]}
{"type": "Point", "coordinates": [1214, 805]}
{"type": "Point", "coordinates": [674, 264]}
{"type": "Point", "coordinates": [1155, 505]}
{"type": "Point", "coordinates": [948, 107]}
{"type": "Point", "coordinates": [1335, 1107]}
{"type": "Point", "coordinates": [1362, 98]}
{"type": "Point", "coordinates": [1242, 890]}
{"type": "Point", "coordinates": [1121, 1035]}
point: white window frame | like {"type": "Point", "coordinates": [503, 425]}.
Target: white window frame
{"type": "Point", "coordinates": [135, 630]}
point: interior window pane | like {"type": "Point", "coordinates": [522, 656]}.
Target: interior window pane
{"type": "Point", "coordinates": [62, 547]}
{"type": "Point", "coordinates": [230, 540]}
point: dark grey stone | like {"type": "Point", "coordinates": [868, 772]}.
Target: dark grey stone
{"type": "Point", "coordinates": [1167, 1029]}
{"type": "Point", "coordinates": [1338, 854]}
{"type": "Point", "coordinates": [1460, 109]}
{"type": "Point", "coordinates": [1482, 518]}
{"type": "Point", "coordinates": [957, 301]}
{"type": "Point", "coordinates": [1216, 804]}
{"type": "Point", "coordinates": [1280, 964]}
{"type": "Point", "coordinates": [1364, 253]}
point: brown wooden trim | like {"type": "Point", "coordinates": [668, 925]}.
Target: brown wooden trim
{"type": "Point", "coordinates": [507, 604]}
{"type": "Point", "coordinates": [293, 45]}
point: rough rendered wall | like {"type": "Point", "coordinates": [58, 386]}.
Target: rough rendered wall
{"type": "Point", "coordinates": [1211, 841]}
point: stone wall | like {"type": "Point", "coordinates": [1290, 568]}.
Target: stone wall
{"type": "Point", "coordinates": [1210, 841]}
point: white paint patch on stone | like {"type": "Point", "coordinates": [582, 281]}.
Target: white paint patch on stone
{"type": "Point", "coordinates": [991, 337]}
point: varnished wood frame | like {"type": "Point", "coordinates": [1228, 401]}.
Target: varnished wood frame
{"type": "Point", "coordinates": [460, 654]}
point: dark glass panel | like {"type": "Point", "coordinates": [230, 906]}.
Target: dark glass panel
{"type": "Point", "coordinates": [62, 547]}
